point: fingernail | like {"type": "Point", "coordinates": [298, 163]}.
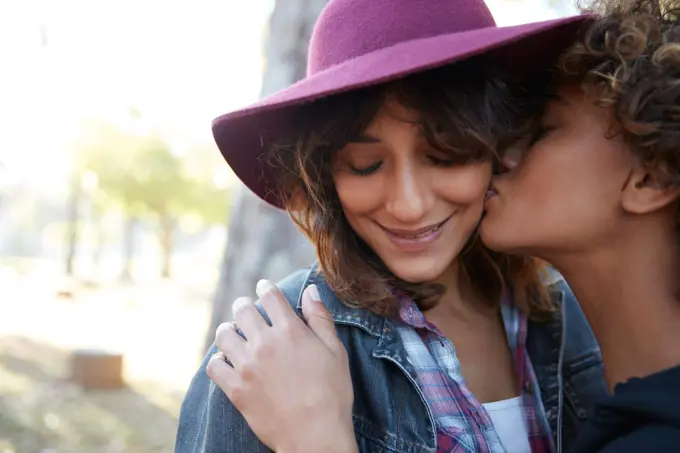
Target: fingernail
{"type": "Point", "coordinates": [262, 287]}
{"type": "Point", "coordinates": [239, 304]}
{"type": "Point", "coordinates": [313, 292]}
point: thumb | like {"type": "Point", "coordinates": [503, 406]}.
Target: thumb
{"type": "Point", "coordinates": [318, 318]}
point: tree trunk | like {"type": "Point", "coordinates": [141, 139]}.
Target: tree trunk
{"type": "Point", "coordinates": [167, 227]}
{"type": "Point", "coordinates": [73, 229]}
{"type": "Point", "coordinates": [128, 248]}
{"type": "Point", "coordinates": [262, 241]}
{"type": "Point", "coordinates": [98, 246]}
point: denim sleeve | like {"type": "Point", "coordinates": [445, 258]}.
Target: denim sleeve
{"type": "Point", "coordinates": [209, 423]}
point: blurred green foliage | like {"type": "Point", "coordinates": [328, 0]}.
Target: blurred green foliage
{"type": "Point", "coordinates": [123, 166]}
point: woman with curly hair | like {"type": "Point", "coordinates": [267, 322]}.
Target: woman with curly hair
{"type": "Point", "coordinates": [593, 189]}
{"type": "Point", "coordinates": [605, 155]}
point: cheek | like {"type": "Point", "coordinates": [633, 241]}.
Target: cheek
{"type": "Point", "coordinates": [358, 195]}
{"type": "Point", "coordinates": [581, 177]}
{"type": "Point", "coordinates": [539, 183]}
{"type": "Point", "coordinates": [464, 185]}
{"type": "Point", "coordinates": [530, 204]}
{"type": "Point", "coordinates": [559, 197]}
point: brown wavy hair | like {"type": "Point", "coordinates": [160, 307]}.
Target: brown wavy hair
{"type": "Point", "coordinates": [465, 111]}
{"type": "Point", "coordinates": [628, 60]}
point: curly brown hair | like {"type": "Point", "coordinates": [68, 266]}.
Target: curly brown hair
{"type": "Point", "coordinates": [464, 111]}
{"type": "Point", "coordinates": [628, 60]}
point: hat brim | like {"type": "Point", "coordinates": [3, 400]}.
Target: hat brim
{"type": "Point", "coordinates": [242, 136]}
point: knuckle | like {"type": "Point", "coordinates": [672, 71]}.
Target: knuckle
{"type": "Point", "coordinates": [268, 298]}
{"type": "Point", "coordinates": [288, 330]}
{"type": "Point", "coordinates": [262, 350]}
{"type": "Point", "coordinates": [238, 395]}
{"type": "Point", "coordinates": [325, 315]}
{"type": "Point", "coordinates": [248, 371]}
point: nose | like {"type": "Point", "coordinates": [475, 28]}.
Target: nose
{"type": "Point", "coordinates": [411, 196]}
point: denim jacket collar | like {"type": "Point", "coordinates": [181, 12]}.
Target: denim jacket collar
{"type": "Point", "coordinates": [374, 324]}
{"type": "Point", "coordinates": [341, 313]}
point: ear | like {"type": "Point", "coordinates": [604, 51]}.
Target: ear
{"type": "Point", "coordinates": [648, 190]}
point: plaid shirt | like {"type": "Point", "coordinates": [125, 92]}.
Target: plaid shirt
{"type": "Point", "coordinates": [463, 425]}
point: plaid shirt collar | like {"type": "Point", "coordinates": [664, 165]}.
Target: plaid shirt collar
{"type": "Point", "coordinates": [463, 425]}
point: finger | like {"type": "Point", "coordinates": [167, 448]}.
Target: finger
{"type": "Point", "coordinates": [274, 302]}
{"type": "Point", "coordinates": [224, 376]}
{"type": "Point", "coordinates": [318, 318]}
{"type": "Point", "coordinates": [248, 318]}
{"type": "Point", "coordinates": [230, 343]}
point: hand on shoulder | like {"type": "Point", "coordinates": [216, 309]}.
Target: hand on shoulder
{"type": "Point", "coordinates": [290, 380]}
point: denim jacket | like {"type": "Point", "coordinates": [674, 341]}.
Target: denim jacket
{"type": "Point", "coordinates": [390, 413]}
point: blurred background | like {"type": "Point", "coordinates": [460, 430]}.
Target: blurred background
{"type": "Point", "coordinates": [124, 237]}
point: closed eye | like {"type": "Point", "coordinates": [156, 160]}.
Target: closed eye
{"type": "Point", "coordinates": [514, 154]}
{"type": "Point", "coordinates": [365, 171]}
{"type": "Point", "coordinates": [441, 162]}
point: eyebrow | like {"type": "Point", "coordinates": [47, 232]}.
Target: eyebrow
{"type": "Point", "coordinates": [365, 138]}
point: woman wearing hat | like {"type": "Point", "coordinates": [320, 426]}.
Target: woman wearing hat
{"type": "Point", "coordinates": [604, 155]}
{"type": "Point", "coordinates": [383, 156]}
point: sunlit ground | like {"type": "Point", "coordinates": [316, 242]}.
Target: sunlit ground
{"type": "Point", "coordinates": [159, 326]}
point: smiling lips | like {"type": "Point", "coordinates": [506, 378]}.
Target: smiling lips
{"type": "Point", "coordinates": [415, 240]}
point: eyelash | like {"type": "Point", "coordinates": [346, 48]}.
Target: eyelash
{"type": "Point", "coordinates": [366, 170]}
{"type": "Point", "coordinates": [376, 166]}
{"type": "Point", "coordinates": [441, 162]}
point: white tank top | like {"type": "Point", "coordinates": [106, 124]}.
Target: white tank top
{"type": "Point", "coordinates": [508, 421]}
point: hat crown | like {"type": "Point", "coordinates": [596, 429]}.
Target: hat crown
{"type": "Point", "coordinates": [347, 29]}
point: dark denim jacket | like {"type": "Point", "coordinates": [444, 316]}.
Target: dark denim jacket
{"type": "Point", "coordinates": [390, 414]}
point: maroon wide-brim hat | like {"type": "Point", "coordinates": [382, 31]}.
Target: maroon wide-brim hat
{"type": "Point", "coordinates": [358, 43]}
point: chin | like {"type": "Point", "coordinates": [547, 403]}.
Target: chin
{"type": "Point", "coordinates": [415, 272]}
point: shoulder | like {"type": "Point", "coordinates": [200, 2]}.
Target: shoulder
{"type": "Point", "coordinates": [209, 422]}
{"type": "Point", "coordinates": [567, 339]}
{"type": "Point", "coordinates": [343, 314]}
{"type": "Point", "coordinates": [570, 326]}
{"type": "Point", "coordinates": [570, 319]}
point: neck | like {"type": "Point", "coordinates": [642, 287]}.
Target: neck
{"type": "Point", "coordinates": [629, 293]}
{"type": "Point", "coordinates": [459, 301]}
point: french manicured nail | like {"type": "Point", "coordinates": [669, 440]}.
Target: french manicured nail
{"type": "Point", "coordinates": [262, 287]}
{"type": "Point", "coordinates": [313, 292]}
